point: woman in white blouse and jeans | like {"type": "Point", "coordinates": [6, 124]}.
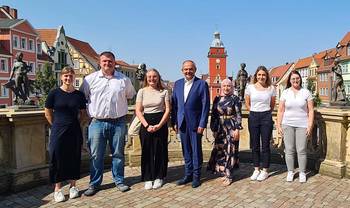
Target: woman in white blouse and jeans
{"type": "Point", "coordinates": [260, 101]}
{"type": "Point", "coordinates": [294, 121]}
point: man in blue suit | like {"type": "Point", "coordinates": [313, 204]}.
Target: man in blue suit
{"type": "Point", "coordinates": [190, 110]}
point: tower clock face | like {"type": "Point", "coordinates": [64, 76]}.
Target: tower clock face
{"type": "Point", "coordinates": [217, 61]}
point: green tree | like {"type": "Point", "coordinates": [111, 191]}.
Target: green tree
{"type": "Point", "coordinates": [44, 82]}
{"type": "Point", "coordinates": [312, 88]}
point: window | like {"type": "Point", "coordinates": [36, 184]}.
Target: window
{"type": "Point", "coordinates": [31, 45]}
{"type": "Point", "coordinates": [40, 66]}
{"type": "Point", "coordinates": [345, 68]}
{"type": "Point", "coordinates": [23, 43]}
{"type": "Point", "coordinates": [218, 66]}
{"type": "Point", "coordinates": [38, 48]}
{"type": "Point", "coordinates": [76, 64]}
{"type": "Point", "coordinates": [348, 89]}
{"type": "Point", "coordinates": [326, 91]}
{"type": "Point", "coordinates": [77, 83]}
{"type": "Point", "coordinates": [217, 91]}
{"type": "Point", "coordinates": [15, 41]}
{"type": "Point", "coordinates": [348, 50]}
{"type": "Point", "coordinates": [3, 65]}
{"type": "Point", "coordinates": [32, 66]}
{"type": "Point", "coordinates": [4, 92]}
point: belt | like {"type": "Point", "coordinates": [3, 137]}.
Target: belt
{"type": "Point", "coordinates": [227, 117]}
{"type": "Point", "coordinates": [108, 119]}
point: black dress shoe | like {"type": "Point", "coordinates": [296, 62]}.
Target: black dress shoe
{"type": "Point", "coordinates": [184, 180]}
{"type": "Point", "coordinates": [91, 191]}
{"type": "Point", "coordinates": [196, 183]}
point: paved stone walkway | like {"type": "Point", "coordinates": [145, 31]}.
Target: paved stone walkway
{"type": "Point", "coordinates": [319, 191]}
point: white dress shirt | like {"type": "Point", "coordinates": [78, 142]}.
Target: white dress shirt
{"type": "Point", "coordinates": [107, 98]}
{"type": "Point", "coordinates": [187, 88]}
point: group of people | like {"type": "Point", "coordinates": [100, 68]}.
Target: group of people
{"type": "Point", "coordinates": [102, 101]}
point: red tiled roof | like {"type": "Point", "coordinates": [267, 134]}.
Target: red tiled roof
{"type": "Point", "coordinates": [330, 54]}
{"type": "Point", "coordinates": [83, 47]}
{"type": "Point", "coordinates": [346, 39]}
{"type": "Point", "coordinates": [44, 57]}
{"type": "Point", "coordinates": [122, 63]}
{"type": "Point", "coordinates": [303, 63]}
{"type": "Point", "coordinates": [47, 35]}
{"type": "Point", "coordinates": [279, 71]}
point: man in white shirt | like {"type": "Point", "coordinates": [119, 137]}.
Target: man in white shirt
{"type": "Point", "coordinates": [107, 91]}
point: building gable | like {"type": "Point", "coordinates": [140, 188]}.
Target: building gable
{"type": "Point", "coordinates": [26, 27]}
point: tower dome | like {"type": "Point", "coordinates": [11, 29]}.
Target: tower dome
{"type": "Point", "coordinates": [217, 41]}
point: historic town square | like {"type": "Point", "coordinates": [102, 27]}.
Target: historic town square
{"type": "Point", "coordinates": [174, 103]}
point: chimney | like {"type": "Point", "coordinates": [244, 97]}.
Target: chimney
{"type": "Point", "coordinates": [6, 8]}
{"type": "Point", "coordinates": [13, 13]}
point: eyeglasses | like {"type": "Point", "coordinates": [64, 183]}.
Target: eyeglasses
{"type": "Point", "coordinates": [295, 79]}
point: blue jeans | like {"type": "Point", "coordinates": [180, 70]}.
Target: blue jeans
{"type": "Point", "coordinates": [101, 131]}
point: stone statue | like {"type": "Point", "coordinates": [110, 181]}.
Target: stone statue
{"type": "Point", "coordinates": [141, 72]}
{"type": "Point", "coordinates": [19, 82]}
{"type": "Point", "coordinates": [338, 89]}
{"type": "Point", "coordinates": [241, 81]}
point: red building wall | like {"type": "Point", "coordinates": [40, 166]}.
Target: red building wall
{"type": "Point", "coordinates": [217, 67]}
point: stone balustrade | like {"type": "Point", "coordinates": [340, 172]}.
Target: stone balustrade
{"type": "Point", "coordinates": [24, 146]}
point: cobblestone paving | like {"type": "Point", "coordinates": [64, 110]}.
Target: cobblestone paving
{"type": "Point", "coordinates": [319, 191]}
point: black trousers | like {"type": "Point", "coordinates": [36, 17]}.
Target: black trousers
{"type": "Point", "coordinates": [154, 158]}
{"type": "Point", "coordinates": [260, 126]}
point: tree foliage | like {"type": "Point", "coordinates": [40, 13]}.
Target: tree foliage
{"type": "Point", "coordinates": [312, 88]}
{"type": "Point", "coordinates": [45, 81]}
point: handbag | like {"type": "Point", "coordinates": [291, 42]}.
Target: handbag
{"type": "Point", "coordinates": [135, 126]}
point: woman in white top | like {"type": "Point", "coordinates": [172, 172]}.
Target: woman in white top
{"type": "Point", "coordinates": [294, 121]}
{"type": "Point", "coordinates": [260, 101]}
{"type": "Point", "coordinates": [153, 108]}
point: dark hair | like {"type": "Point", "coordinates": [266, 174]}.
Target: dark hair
{"type": "Point", "coordinates": [107, 53]}
{"type": "Point", "coordinates": [159, 84]}
{"type": "Point", "coordinates": [268, 79]}
{"type": "Point", "coordinates": [194, 64]}
{"type": "Point", "coordinates": [290, 76]}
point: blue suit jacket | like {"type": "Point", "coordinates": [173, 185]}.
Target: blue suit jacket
{"type": "Point", "coordinates": [195, 110]}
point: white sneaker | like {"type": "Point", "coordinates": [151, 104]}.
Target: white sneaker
{"type": "Point", "coordinates": [73, 192]}
{"type": "Point", "coordinates": [290, 176]}
{"type": "Point", "coordinates": [58, 196]}
{"type": "Point", "coordinates": [263, 175]}
{"type": "Point", "coordinates": [158, 183]}
{"type": "Point", "coordinates": [302, 177]}
{"type": "Point", "coordinates": [255, 175]}
{"type": "Point", "coordinates": [148, 185]}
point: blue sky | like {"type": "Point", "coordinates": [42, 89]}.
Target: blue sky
{"type": "Point", "coordinates": [163, 33]}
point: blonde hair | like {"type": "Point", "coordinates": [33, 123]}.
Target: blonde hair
{"type": "Point", "coordinates": [67, 70]}
{"type": "Point", "coordinates": [159, 84]}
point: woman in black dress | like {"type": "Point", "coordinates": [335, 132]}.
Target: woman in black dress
{"type": "Point", "coordinates": [225, 124]}
{"type": "Point", "coordinates": [63, 107]}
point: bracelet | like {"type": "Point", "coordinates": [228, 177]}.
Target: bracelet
{"type": "Point", "coordinates": [147, 126]}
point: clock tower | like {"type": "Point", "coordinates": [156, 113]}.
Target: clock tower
{"type": "Point", "coordinates": [217, 65]}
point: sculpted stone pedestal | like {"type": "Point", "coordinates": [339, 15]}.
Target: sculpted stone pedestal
{"type": "Point", "coordinates": [22, 149]}
{"type": "Point", "coordinates": [337, 142]}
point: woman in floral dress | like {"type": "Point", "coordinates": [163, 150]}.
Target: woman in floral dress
{"type": "Point", "coordinates": [225, 124]}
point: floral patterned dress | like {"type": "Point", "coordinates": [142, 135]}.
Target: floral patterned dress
{"type": "Point", "coordinates": [225, 118]}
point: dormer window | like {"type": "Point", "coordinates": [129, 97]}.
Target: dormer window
{"type": "Point", "coordinates": [38, 47]}
{"type": "Point", "coordinates": [348, 50]}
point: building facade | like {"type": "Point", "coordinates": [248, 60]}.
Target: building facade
{"type": "Point", "coordinates": [217, 65]}
{"type": "Point", "coordinates": [54, 43]}
{"type": "Point", "coordinates": [16, 35]}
